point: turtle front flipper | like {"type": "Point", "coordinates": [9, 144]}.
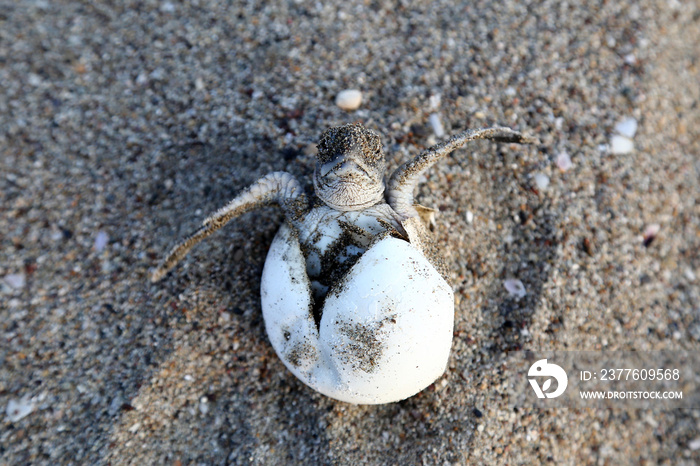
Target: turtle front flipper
{"type": "Point", "coordinates": [279, 187]}
{"type": "Point", "coordinates": [403, 181]}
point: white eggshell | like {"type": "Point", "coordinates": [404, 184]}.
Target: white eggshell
{"type": "Point", "coordinates": [386, 330]}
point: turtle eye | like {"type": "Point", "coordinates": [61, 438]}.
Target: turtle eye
{"type": "Point", "coordinates": [325, 168]}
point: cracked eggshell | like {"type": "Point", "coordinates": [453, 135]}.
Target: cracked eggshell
{"type": "Point", "coordinates": [385, 332]}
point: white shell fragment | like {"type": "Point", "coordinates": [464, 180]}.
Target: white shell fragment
{"type": "Point", "coordinates": [19, 409]}
{"type": "Point", "coordinates": [349, 99]}
{"type": "Point", "coordinates": [652, 230]}
{"type": "Point", "coordinates": [167, 7]}
{"type": "Point", "coordinates": [515, 287]}
{"type": "Point", "coordinates": [101, 241]}
{"type": "Point", "coordinates": [620, 145]}
{"type": "Point", "coordinates": [564, 161]}
{"type": "Point", "coordinates": [436, 124]}
{"type": "Point", "coordinates": [626, 127]}
{"type": "Point", "coordinates": [650, 233]}
{"type": "Point", "coordinates": [541, 180]}
{"type": "Point", "coordinates": [385, 332]}
{"type": "Point", "coordinates": [694, 444]}
{"type": "Point", "coordinates": [15, 280]}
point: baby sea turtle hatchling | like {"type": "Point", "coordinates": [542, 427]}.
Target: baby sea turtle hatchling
{"type": "Point", "coordinates": [353, 291]}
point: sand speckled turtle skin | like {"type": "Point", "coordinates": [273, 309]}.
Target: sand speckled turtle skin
{"type": "Point", "coordinates": [354, 294]}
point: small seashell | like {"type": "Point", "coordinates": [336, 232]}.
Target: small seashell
{"type": "Point", "coordinates": [470, 216]}
{"type": "Point", "coordinates": [694, 444]}
{"type": "Point", "coordinates": [620, 145]}
{"type": "Point", "coordinates": [541, 180]}
{"type": "Point", "coordinates": [564, 161]}
{"type": "Point", "coordinates": [515, 287]}
{"type": "Point", "coordinates": [349, 99]}
{"type": "Point", "coordinates": [626, 127]}
{"type": "Point", "coordinates": [16, 280]}
{"type": "Point", "coordinates": [167, 7]}
{"type": "Point", "coordinates": [19, 409]}
{"type": "Point", "coordinates": [630, 59]}
{"type": "Point", "coordinates": [434, 101]}
{"type": "Point", "coordinates": [101, 241]}
{"type": "Point", "coordinates": [203, 405]}
{"type": "Point", "coordinates": [650, 233]}
{"type": "Point", "coordinates": [435, 122]}
{"type": "Point", "coordinates": [34, 79]}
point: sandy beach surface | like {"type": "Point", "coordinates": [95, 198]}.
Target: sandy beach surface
{"type": "Point", "coordinates": [123, 124]}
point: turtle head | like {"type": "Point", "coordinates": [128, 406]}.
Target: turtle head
{"type": "Point", "coordinates": [350, 168]}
